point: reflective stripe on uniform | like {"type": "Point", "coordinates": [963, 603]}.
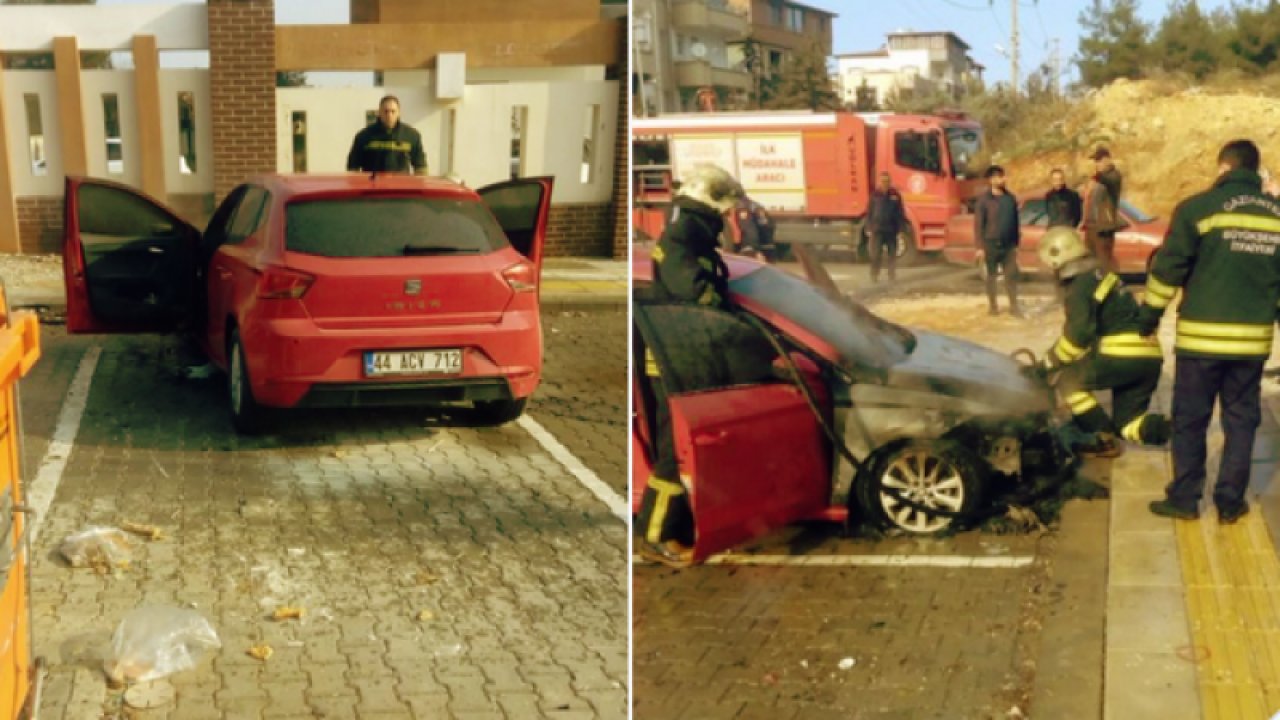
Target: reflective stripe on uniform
{"type": "Point", "coordinates": [1224, 338]}
{"type": "Point", "coordinates": [651, 364]}
{"type": "Point", "coordinates": [1067, 351]}
{"type": "Point", "coordinates": [1238, 221]}
{"type": "Point", "coordinates": [1105, 287]}
{"type": "Point", "coordinates": [709, 297]}
{"type": "Point", "coordinates": [1159, 294]}
{"type": "Point", "coordinates": [665, 489]}
{"type": "Point", "coordinates": [1133, 431]}
{"type": "Point", "coordinates": [658, 254]}
{"type": "Point", "coordinates": [1081, 402]}
{"type": "Point", "coordinates": [1129, 345]}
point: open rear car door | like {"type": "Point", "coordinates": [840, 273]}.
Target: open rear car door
{"type": "Point", "coordinates": [747, 443]}
{"type": "Point", "coordinates": [128, 261]}
{"type": "Point", "coordinates": [521, 208]}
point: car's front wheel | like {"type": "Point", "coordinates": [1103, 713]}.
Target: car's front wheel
{"type": "Point", "coordinates": [920, 487]}
{"type": "Point", "coordinates": [247, 416]}
{"type": "Point", "coordinates": [498, 412]}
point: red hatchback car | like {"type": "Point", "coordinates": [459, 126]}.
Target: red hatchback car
{"type": "Point", "coordinates": [326, 291]}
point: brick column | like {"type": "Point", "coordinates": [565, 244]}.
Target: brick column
{"type": "Point", "coordinates": [9, 242]}
{"type": "Point", "coordinates": [622, 148]}
{"type": "Point", "coordinates": [242, 90]}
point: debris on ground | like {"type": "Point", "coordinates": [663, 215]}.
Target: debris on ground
{"type": "Point", "coordinates": [847, 663]}
{"type": "Point", "coordinates": [157, 641]}
{"type": "Point", "coordinates": [260, 652]}
{"type": "Point", "coordinates": [426, 616]}
{"type": "Point", "coordinates": [288, 612]}
{"type": "Point", "coordinates": [104, 549]}
{"type": "Point", "coordinates": [150, 532]}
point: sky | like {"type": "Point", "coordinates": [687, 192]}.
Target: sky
{"type": "Point", "coordinates": [983, 24]}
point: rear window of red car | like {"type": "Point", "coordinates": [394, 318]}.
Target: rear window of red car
{"type": "Point", "coordinates": [391, 227]}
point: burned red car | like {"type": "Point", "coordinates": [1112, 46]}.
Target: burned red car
{"type": "Point", "coordinates": [802, 404]}
{"type": "Point", "coordinates": [326, 291]}
{"type": "Point", "coordinates": [1133, 249]}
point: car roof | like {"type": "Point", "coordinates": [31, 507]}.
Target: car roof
{"type": "Point", "coordinates": [642, 269]}
{"type": "Point", "coordinates": [288, 185]}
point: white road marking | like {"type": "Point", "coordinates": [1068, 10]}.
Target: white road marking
{"type": "Point", "coordinates": [617, 505]}
{"type": "Point", "coordinates": [934, 561]}
{"type": "Point", "coordinates": [45, 485]}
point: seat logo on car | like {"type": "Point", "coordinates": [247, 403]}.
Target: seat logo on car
{"type": "Point", "coordinates": [412, 287]}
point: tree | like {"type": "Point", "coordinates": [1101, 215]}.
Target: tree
{"type": "Point", "coordinates": [805, 83]}
{"type": "Point", "coordinates": [1255, 38]}
{"type": "Point", "coordinates": [1188, 41]}
{"type": "Point", "coordinates": [96, 60]}
{"type": "Point", "coordinates": [1114, 42]}
{"type": "Point", "coordinates": [865, 98]}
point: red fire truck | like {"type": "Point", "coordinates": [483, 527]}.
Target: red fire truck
{"type": "Point", "coordinates": [815, 171]}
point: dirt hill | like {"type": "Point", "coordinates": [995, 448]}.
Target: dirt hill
{"type": "Point", "coordinates": [1164, 139]}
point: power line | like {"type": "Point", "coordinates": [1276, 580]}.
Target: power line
{"type": "Point", "coordinates": [962, 6]}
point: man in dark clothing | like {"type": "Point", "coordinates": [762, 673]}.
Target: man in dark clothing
{"type": "Point", "coordinates": [686, 268]}
{"type": "Point", "coordinates": [1102, 219]}
{"type": "Point", "coordinates": [1221, 251]}
{"type": "Point", "coordinates": [1100, 349]}
{"type": "Point", "coordinates": [885, 220]}
{"type": "Point", "coordinates": [388, 145]}
{"type": "Point", "coordinates": [745, 230]}
{"type": "Point", "coordinates": [1063, 204]}
{"type": "Point", "coordinates": [997, 228]}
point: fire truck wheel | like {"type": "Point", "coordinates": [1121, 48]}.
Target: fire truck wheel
{"type": "Point", "coordinates": [908, 253]}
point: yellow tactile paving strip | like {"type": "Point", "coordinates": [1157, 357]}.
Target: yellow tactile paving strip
{"type": "Point", "coordinates": [1232, 579]}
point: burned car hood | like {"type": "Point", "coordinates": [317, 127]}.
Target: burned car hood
{"type": "Point", "coordinates": [950, 374]}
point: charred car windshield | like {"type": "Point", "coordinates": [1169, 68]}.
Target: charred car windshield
{"type": "Point", "coordinates": [861, 338]}
{"type": "Point", "coordinates": [365, 226]}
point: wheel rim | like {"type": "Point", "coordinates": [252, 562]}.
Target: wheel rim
{"type": "Point", "coordinates": [903, 239]}
{"type": "Point", "coordinates": [236, 380]}
{"type": "Point", "coordinates": [925, 479]}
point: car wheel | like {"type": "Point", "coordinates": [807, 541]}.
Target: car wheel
{"type": "Point", "coordinates": [247, 416]}
{"type": "Point", "coordinates": [490, 413]}
{"type": "Point", "coordinates": [926, 475]}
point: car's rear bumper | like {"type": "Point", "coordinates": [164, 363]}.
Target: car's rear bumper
{"type": "Point", "coordinates": [293, 362]}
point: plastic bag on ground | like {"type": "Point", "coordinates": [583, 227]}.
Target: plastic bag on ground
{"type": "Point", "coordinates": [153, 642]}
{"type": "Point", "coordinates": [102, 548]}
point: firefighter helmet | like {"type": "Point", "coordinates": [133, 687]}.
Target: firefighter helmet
{"type": "Point", "coordinates": [710, 184]}
{"type": "Point", "coordinates": [1062, 251]}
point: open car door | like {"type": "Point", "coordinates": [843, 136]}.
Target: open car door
{"type": "Point", "coordinates": [522, 207]}
{"type": "Point", "coordinates": [747, 442]}
{"type": "Point", "coordinates": [128, 261]}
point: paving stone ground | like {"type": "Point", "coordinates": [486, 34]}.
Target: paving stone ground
{"type": "Point", "coordinates": [366, 519]}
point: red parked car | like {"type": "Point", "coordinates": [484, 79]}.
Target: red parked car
{"type": "Point", "coordinates": [326, 291]}
{"type": "Point", "coordinates": [1133, 250]}
{"type": "Point", "coordinates": [900, 428]}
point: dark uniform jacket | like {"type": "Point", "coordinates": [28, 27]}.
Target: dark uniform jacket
{"type": "Point", "coordinates": [885, 215]}
{"type": "Point", "coordinates": [995, 219]}
{"type": "Point", "coordinates": [1222, 252]}
{"type": "Point", "coordinates": [1065, 207]}
{"type": "Point", "coordinates": [1101, 316]}
{"type": "Point", "coordinates": [376, 149]}
{"type": "Point", "coordinates": [686, 264]}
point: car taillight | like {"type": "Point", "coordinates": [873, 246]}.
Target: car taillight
{"type": "Point", "coordinates": [522, 277]}
{"type": "Point", "coordinates": [281, 284]}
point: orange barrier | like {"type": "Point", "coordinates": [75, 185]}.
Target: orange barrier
{"type": "Point", "coordinates": [19, 675]}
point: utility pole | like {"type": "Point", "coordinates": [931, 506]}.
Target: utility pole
{"type": "Point", "coordinates": [1057, 67]}
{"type": "Point", "coordinates": [1013, 45]}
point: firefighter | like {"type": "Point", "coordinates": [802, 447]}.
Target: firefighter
{"type": "Point", "coordinates": [886, 219]}
{"type": "Point", "coordinates": [686, 268]}
{"type": "Point", "coordinates": [388, 145]}
{"type": "Point", "coordinates": [1221, 251]}
{"type": "Point", "coordinates": [745, 230]}
{"type": "Point", "coordinates": [1101, 349]}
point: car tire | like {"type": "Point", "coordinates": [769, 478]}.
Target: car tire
{"type": "Point", "coordinates": [247, 416]}
{"type": "Point", "coordinates": [491, 413]}
{"type": "Point", "coordinates": [932, 473]}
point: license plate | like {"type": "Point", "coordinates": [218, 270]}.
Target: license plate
{"type": "Point", "coordinates": [413, 362]}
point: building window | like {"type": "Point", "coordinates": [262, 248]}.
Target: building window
{"type": "Point", "coordinates": [519, 127]}
{"type": "Point", "coordinates": [589, 141]}
{"type": "Point", "coordinates": [186, 133]}
{"type": "Point", "coordinates": [775, 61]}
{"type": "Point", "coordinates": [35, 134]}
{"type": "Point", "coordinates": [795, 19]}
{"type": "Point", "coordinates": [450, 136]}
{"type": "Point", "coordinates": [111, 131]}
{"type": "Point", "coordinates": [299, 122]}
{"type": "Point", "coordinates": [775, 12]}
